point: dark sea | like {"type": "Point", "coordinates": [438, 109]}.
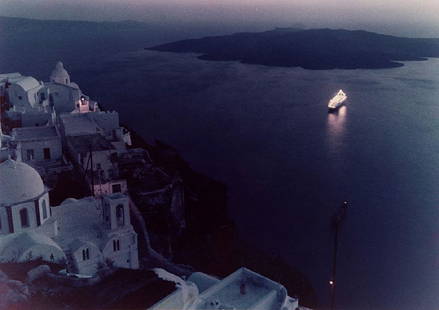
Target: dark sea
{"type": "Point", "coordinates": [288, 164]}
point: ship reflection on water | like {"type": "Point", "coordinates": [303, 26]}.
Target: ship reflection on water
{"type": "Point", "coordinates": [335, 128]}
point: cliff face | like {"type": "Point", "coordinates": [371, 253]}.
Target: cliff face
{"type": "Point", "coordinates": [210, 242]}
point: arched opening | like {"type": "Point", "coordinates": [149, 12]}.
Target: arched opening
{"type": "Point", "coordinates": [120, 216]}
{"type": "Point", "coordinates": [44, 207]}
{"type": "Point", "coordinates": [116, 245]}
{"type": "Point", "coordinates": [85, 254]}
{"type": "Point", "coordinates": [24, 218]}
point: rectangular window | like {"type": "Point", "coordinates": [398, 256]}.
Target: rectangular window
{"type": "Point", "coordinates": [116, 245]}
{"type": "Point", "coordinates": [46, 153]}
{"type": "Point", "coordinates": [44, 207]}
{"type": "Point", "coordinates": [10, 220]}
{"type": "Point", "coordinates": [29, 154]}
{"type": "Point", "coordinates": [85, 254]}
{"type": "Point", "coordinates": [116, 188]}
{"type": "Point", "coordinates": [24, 218]}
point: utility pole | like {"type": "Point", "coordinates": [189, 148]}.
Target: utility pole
{"type": "Point", "coordinates": [337, 221]}
{"type": "Point", "coordinates": [92, 172]}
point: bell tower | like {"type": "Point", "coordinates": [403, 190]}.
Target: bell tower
{"type": "Point", "coordinates": [116, 213]}
{"type": "Point", "coordinates": [60, 75]}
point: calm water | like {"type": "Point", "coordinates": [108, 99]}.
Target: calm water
{"type": "Point", "coordinates": [288, 164]}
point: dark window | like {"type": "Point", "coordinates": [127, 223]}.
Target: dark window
{"type": "Point", "coordinates": [10, 220]}
{"type": "Point", "coordinates": [116, 245]}
{"type": "Point", "coordinates": [46, 153]}
{"type": "Point", "coordinates": [85, 254]}
{"type": "Point", "coordinates": [67, 81]}
{"type": "Point", "coordinates": [24, 217]}
{"type": "Point", "coordinates": [30, 154]}
{"type": "Point", "coordinates": [116, 188]}
{"type": "Point", "coordinates": [44, 207]}
{"type": "Point", "coordinates": [120, 216]}
{"type": "Point", "coordinates": [43, 96]}
{"type": "Point", "coordinates": [19, 97]}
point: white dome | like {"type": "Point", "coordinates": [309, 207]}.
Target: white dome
{"type": "Point", "coordinates": [74, 85]}
{"type": "Point", "coordinates": [69, 200]}
{"type": "Point", "coordinates": [59, 74]}
{"type": "Point", "coordinates": [19, 182]}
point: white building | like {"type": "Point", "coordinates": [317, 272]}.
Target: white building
{"type": "Point", "coordinates": [37, 144]}
{"type": "Point", "coordinates": [82, 233]}
{"type": "Point", "coordinates": [25, 93]}
{"type": "Point", "coordinates": [5, 150]}
{"type": "Point", "coordinates": [103, 123]}
{"type": "Point", "coordinates": [24, 99]}
{"type": "Point", "coordinates": [243, 289]}
{"type": "Point", "coordinates": [96, 158]}
{"type": "Point", "coordinates": [65, 96]}
{"type": "Point", "coordinates": [41, 148]}
{"type": "Point", "coordinates": [29, 102]}
{"type": "Point", "coordinates": [94, 142]}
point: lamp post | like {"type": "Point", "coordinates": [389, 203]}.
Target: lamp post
{"type": "Point", "coordinates": [337, 221]}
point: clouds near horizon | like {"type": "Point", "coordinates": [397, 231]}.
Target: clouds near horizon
{"type": "Point", "coordinates": [391, 16]}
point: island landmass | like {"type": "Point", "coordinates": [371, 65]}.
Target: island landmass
{"type": "Point", "coordinates": [310, 49]}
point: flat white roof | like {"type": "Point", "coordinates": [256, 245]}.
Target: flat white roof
{"type": "Point", "coordinates": [34, 133]}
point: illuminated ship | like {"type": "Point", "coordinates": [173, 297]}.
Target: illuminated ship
{"type": "Point", "coordinates": [337, 101]}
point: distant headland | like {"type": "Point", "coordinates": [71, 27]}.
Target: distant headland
{"type": "Point", "coordinates": [310, 49]}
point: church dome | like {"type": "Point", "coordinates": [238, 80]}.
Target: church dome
{"type": "Point", "coordinates": [19, 182]}
{"type": "Point", "coordinates": [59, 74]}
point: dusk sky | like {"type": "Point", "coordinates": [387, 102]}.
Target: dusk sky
{"type": "Point", "coordinates": [402, 17]}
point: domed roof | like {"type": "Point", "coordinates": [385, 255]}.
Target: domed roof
{"type": "Point", "coordinates": [74, 85]}
{"type": "Point", "coordinates": [10, 251]}
{"type": "Point", "coordinates": [59, 74]}
{"type": "Point", "coordinates": [69, 200]}
{"type": "Point", "coordinates": [19, 182]}
{"type": "Point", "coordinates": [27, 83]}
